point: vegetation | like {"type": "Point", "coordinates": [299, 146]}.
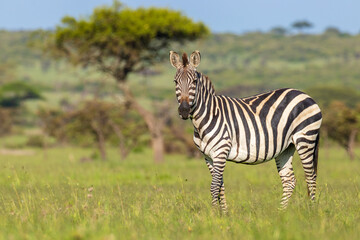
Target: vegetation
{"type": "Point", "coordinates": [300, 25]}
{"type": "Point", "coordinates": [325, 66]}
{"type": "Point", "coordinates": [53, 186]}
{"type": "Point", "coordinates": [325, 95]}
{"type": "Point", "coordinates": [119, 41]}
{"type": "Point", "coordinates": [56, 196]}
{"type": "Point", "coordinates": [13, 93]}
{"type": "Point", "coordinates": [6, 121]}
{"type": "Point", "coordinates": [342, 124]}
{"type": "Point", "coordinates": [96, 122]}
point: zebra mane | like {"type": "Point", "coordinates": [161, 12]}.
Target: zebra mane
{"type": "Point", "coordinates": [207, 83]}
{"type": "Point", "coordinates": [185, 59]}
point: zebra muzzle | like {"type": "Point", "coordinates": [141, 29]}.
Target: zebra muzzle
{"type": "Point", "coordinates": [184, 110]}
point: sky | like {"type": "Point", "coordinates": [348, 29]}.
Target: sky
{"type": "Point", "coordinates": [234, 16]}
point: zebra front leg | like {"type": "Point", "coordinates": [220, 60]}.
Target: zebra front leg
{"type": "Point", "coordinates": [286, 172]}
{"type": "Point", "coordinates": [217, 188]}
{"type": "Point", "coordinates": [221, 197]}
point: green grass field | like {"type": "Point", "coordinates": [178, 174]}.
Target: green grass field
{"type": "Point", "coordinates": [53, 195]}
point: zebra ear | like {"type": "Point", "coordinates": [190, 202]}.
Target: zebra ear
{"type": "Point", "coordinates": [195, 58]}
{"type": "Point", "coordinates": [175, 59]}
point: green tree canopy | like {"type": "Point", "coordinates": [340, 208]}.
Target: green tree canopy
{"type": "Point", "coordinates": [13, 93]}
{"type": "Point", "coordinates": [300, 25]}
{"type": "Point", "coordinates": [120, 40]}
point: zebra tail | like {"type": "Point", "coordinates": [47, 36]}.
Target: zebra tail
{"type": "Point", "coordinates": [316, 153]}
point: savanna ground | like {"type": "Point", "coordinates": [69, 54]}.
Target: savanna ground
{"type": "Point", "coordinates": [53, 195]}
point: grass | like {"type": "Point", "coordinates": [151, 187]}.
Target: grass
{"type": "Point", "coordinates": [53, 195]}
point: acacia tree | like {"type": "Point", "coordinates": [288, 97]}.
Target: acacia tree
{"type": "Point", "coordinates": [119, 40]}
{"type": "Point", "coordinates": [300, 25]}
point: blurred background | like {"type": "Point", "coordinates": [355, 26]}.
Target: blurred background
{"type": "Point", "coordinates": [87, 107]}
{"type": "Point", "coordinates": [95, 74]}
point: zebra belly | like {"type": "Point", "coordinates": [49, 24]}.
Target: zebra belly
{"type": "Point", "coordinates": [240, 155]}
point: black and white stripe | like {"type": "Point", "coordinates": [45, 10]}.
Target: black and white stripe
{"type": "Point", "coordinates": [248, 130]}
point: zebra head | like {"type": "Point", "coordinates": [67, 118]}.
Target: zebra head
{"type": "Point", "coordinates": [185, 80]}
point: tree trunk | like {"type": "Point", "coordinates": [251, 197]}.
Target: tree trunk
{"type": "Point", "coordinates": [157, 142]}
{"type": "Point", "coordinates": [153, 124]}
{"type": "Point", "coordinates": [351, 143]}
{"type": "Point", "coordinates": [101, 140]}
{"type": "Point", "coordinates": [123, 151]}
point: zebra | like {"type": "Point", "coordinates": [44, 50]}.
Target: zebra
{"type": "Point", "coordinates": [249, 130]}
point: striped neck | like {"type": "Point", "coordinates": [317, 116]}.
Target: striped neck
{"type": "Point", "coordinates": [204, 95]}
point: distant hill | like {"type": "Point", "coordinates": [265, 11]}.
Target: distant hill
{"type": "Point", "coordinates": [237, 64]}
{"type": "Point", "coordinates": [14, 48]}
{"type": "Point", "coordinates": [271, 61]}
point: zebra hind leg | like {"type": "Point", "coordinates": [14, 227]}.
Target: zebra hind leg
{"type": "Point", "coordinates": [286, 172]}
{"type": "Point", "coordinates": [307, 147]}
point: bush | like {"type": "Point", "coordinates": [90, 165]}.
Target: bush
{"type": "Point", "coordinates": [13, 93]}
{"type": "Point", "coordinates": [96, 123]}
{"type": "Point", "coordinates": [36, 141]}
